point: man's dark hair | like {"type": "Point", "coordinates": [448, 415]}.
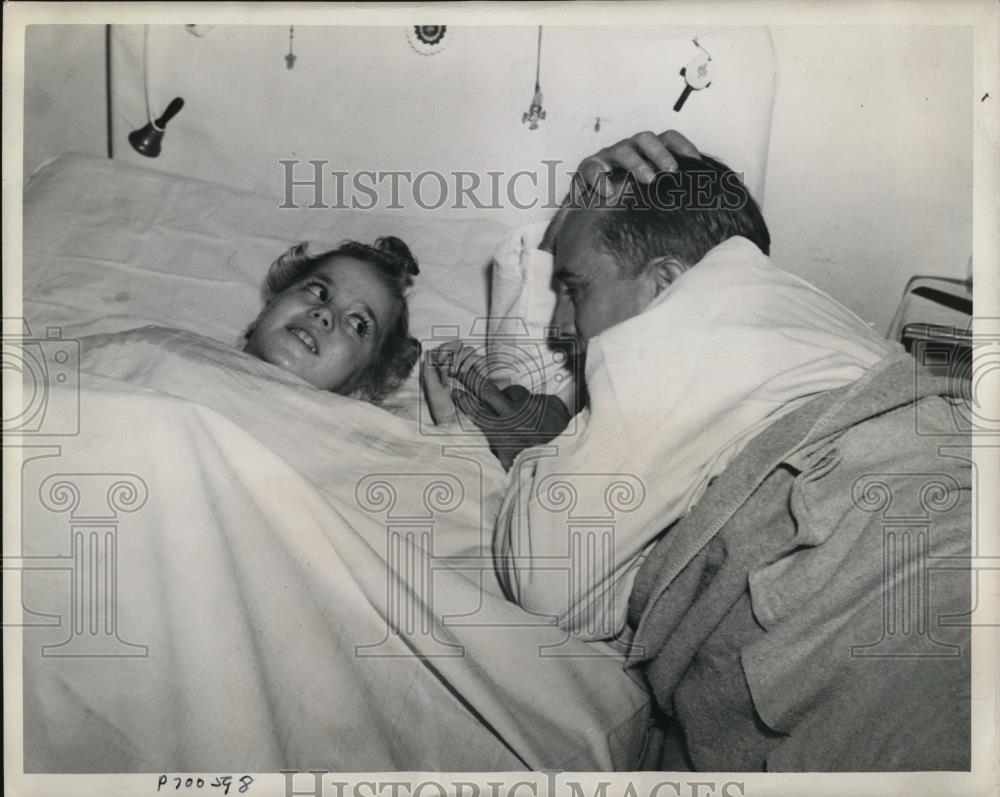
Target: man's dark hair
{"type": "Point", "coordinates": [681, 214]}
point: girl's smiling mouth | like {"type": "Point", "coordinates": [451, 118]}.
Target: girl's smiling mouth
{"type": "Point", "coordinates": [307, 339]}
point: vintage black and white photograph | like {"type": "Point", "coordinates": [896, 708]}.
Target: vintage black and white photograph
{"type": "Point", "coordinates": [561, 388]}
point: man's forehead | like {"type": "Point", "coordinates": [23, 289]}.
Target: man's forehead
{"type": "Point", "coordinates": [578, 248]}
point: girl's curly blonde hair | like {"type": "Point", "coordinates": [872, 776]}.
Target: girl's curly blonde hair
{"type": "Point", "coordinates": [392, 261]}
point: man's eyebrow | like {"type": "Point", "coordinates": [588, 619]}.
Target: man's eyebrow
{"type": "Point", "coordinates": [565, 275]}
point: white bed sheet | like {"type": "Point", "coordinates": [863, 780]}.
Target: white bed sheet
{"type": "Point", "coordinates": [256, 565]}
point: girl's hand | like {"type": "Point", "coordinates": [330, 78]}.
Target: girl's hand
{"type": "Point", "coordinates": [512, 418]}
{"type": "Point", "coordinates": [435, 378]}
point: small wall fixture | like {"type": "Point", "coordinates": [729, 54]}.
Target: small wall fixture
{"type": "Point", "coordinates": [536, 112]}
{"type": "Point", "coordinates": [146, 140]}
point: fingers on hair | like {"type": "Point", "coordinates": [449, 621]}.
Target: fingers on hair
{"type": "Point", "coordinates": [678, 144]}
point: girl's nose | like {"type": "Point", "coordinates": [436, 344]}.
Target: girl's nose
{"type": "Point", "coordinates": [323, 316]}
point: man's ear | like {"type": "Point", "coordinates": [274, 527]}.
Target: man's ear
{"type": "Point", "coordinates": [664, 270]}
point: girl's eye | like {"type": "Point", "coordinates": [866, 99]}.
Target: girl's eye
{"type": "Point", "coordinates": [360, 325]}
{"type": "Point", "coordinates": [317, 289]}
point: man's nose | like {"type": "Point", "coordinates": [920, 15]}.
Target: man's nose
{"type": "Point", "coordinates": [564, 318]}
{"type": "Point", "coordinates": [323, 316]}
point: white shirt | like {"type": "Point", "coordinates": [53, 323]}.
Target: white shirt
{"type": "Point", "coordinates": [675, 393]}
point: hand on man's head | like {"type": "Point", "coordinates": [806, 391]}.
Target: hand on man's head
{"type": "Point", "coordinates": [643, 155]}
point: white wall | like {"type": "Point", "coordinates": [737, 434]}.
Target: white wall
{"type": "Point", "coordinates": [870, 164]}
{"type": "Point", "coordinates": [362, 99]}
{"type": "Point", "coordinates": [870, 170]}
{"type": "Point", "coordinates": [64, 98]}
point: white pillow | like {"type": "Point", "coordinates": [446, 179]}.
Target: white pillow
{"type": "Point", "coordinates": [522, 301]}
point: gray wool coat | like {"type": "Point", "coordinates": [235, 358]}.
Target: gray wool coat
{"type": "Point", "coordinates": [811, 613]}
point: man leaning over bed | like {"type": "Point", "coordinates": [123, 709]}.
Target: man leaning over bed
{"type": "Point", "coordinates": [793, 506]}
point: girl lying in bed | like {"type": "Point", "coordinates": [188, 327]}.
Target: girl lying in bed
{"type": "Point", "coordinates": [340, 320]}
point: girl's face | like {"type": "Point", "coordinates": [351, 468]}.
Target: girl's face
{"type": "Point", "coordinates": [327, 327]}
